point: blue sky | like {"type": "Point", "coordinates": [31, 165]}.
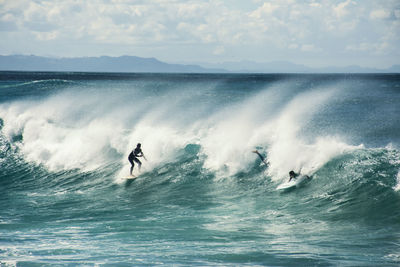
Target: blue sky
{"type": "Point", "coordinates": [310, 32]}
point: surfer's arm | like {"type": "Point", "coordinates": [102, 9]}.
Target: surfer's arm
{"type": "Point", "coordinates": [140, 154]}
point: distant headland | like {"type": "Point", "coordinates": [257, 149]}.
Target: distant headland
{"type": "Point", "coordinates": [140, 64]}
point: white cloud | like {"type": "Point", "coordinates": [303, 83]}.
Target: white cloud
{"type": "Point", "coordinates": [315, 4]}
{"type": "Point", "coordinates": [397, 13]}
{"type": "Point", "coordinates": [265, 10]}
{"type": "Point", "coordinates": [46, 36]}
{"type": "Point", "coordinates": [376, 48]}
{"type": "Point", "coordinates": [219, 50]}
{"type": "Point", "coordinates": [343, 8]}
{"type": "Point", "coordinates": [308, 47]}
{"type": "Point", "coordinates": [380, 14]}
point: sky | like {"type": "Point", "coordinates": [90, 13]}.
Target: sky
{"type": "Point", "coordinates": [313, 33]}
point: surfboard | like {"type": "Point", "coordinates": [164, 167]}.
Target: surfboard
{"type": "Point", "coordinates": [293, 183]}
{"type": "Point", "coordinates": [129, 177]}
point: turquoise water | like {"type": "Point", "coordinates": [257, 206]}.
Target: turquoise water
{"type": "Point", "coordinates": [202, 198]}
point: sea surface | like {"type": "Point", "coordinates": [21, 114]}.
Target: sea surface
{"type": "Point", "coordinates": [202, 198]}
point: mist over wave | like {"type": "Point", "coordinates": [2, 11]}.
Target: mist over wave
{"type": "Point", "coordinates": [89, 125]}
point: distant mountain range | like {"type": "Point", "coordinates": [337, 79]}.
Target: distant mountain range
{"type": "Point", "coordinates": [96, 64]}
{"type": "Point", "coordinates": [139, 64]}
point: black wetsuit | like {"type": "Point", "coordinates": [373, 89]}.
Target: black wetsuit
{"type": "Point", "coordinates": [137, 152]}
{"type": "Point", "coordinates": [293, 176]}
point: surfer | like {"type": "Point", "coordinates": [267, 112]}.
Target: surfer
{"type": "Point", "coordinates": [133, 156]}
{"type": "Point", "coordinates": [292, 175]}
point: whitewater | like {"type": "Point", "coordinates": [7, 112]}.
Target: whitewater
{"type": "Point", "coordinates": [202, 197]}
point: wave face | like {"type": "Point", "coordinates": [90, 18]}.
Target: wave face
{"type": "Point", "coordinates": [202, 197]}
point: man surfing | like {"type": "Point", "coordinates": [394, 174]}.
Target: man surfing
{"type": "Point", "coordinates": [134, 155]}
{"type": "Point", "coordinates": [292, 175]}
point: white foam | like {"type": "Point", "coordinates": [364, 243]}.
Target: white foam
{"type": "Point", "coordinates": [228, 136]}
{"type": "Point", "coordinates": [397, 186]}
{"type": "Point", "coordinates": [64, 132]}
{"type": "Point", "coordinates": [78, 129]}
{"type": "Point", "coordinates": [160, 144]}
{"type": "Point", "coordinates": [288, 150]}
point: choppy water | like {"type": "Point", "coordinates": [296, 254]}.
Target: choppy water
{"type": "Point", "coordinates": [203, 198]}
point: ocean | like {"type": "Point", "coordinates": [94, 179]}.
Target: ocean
{"type": "Point", "coordinates": [202, 198]}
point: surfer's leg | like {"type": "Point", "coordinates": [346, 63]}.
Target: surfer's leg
{"type": "Point", "coordinates": [132, 165]}
{"type": "Point", "coordinates": [132, 169]}
{"type": "Point", "coordinates": [261, 157]}
{"type": "Point", "coordinates": [138, 162]}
